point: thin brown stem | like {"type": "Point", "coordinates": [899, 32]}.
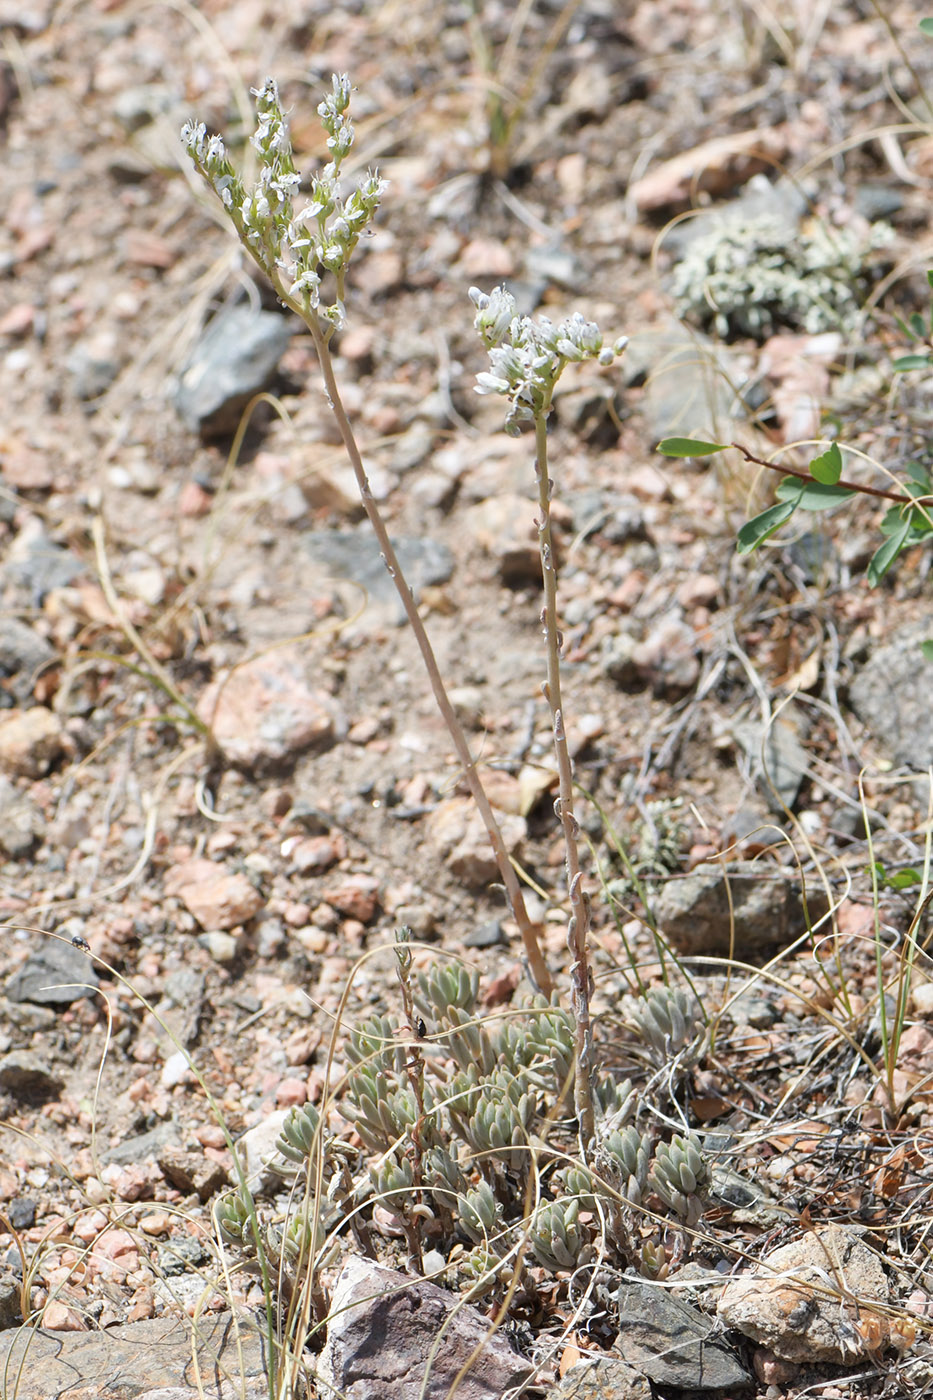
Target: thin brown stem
{"type": "Point", "coordinates": [538, 966]}
{"type": "Point", "coordinates": [803, 475]}
{"type": "Point", "coordinates": [579, 922]}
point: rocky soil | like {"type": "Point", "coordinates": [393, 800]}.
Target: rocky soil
{"type": "Point", "coordinates": [223, 780]}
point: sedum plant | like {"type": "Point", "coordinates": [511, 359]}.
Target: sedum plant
{"type": "Point", "coordinates": [463, 1168]}
{"type": "Point", "coordinates": [745, 276]}
{"type": "Point", "coordinates": [447, 1117]}
{"type": "Point", "coordinates": [305, 250]}
{"type": "Point", "coordinates": [527, 356]}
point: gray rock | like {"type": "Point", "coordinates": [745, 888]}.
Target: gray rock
{"type": "Point", "coordinates": [891, 695]}
{"type": "Point", "coordinates": [551, 262]}
{"type": "Point", "coordinates": [182, 1006]}
{"type": "Point", "coordinates": [391, 1337]}
{"type": "Point", "coordinates": [346, 554]}
{"type": "Point", "coordinates": [773, 1305]}
{"type": "Point", "coordinates": [876, 201]}
{"type": "Point", "coordinates": [25, 1017]}
{"type": "Point", "coordinates": [690, 380]}
{"type": "Point", "coordinates": [776, 755]}
{"type": "Point", "coordinates": [604, 1378]}
{"type": "Point", "coordinates": [237, 357]}
{"type": "Point", "coordinates": [181, 1254]}
{"type": "Point", "coordinates": [411, 447]}
{"type": "Point", "coordinates": [37, 566]}
{"type": "Point", "coordinates": [22, 825]}
{"type": "Point", "coordinates": [139, 1359]}
{"type": "Point", "coordinates": [93, 364]}
{"type": "Point", "coordinates": [256, 1150]}
{"type": "Point", "coordinates": [22, 654]}
{"type": "Point", "coordinates": [766, 909]}
{"type": "Point", "coordinates": [21, 1213]}
{"type": "Point", "coordinates": [144, 1147]}
{"type": "Point", "coordinates": [672, 1343]}
{"type": "Point", "coordinates": [488, 935]}
{"type": "Point", "coordinates": [11, 1314]}
{"type": "Point", "coordinates": [54, 975]}
{"type": "Point", "coordinates": [27, 1077]}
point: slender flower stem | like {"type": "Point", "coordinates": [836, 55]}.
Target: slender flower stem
{"type": "Point", "coordinates": [295, 250]}
{"type": "Point", "coordinates": [539, 968]}
{"type": "Point", "coordinates": [579, 922]}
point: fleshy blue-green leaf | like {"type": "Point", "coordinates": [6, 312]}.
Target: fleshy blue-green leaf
{"type": "Point", "coordinates": [912, 362]}
{"type": "Point", "coordinates": [689, 447]}
{"type": "Point", "coordinates": [755, 531]}
{"type": "Point", "coordinates": [827, 468]}
{"type": "Point", "coordinates": [812, 495]}
{"type": "Point", "coordinates": [927, 649]}
{"type": "Point", "coordinates": [884, 557]}
{"type": "Point", "coordinates": [927, 26]}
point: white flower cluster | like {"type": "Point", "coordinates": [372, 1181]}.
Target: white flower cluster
{"type": "Point", "coordinates": [746, 277]}
{"type": "Point", "coordinates": [528, 355]}
{"type": "Point", "coordinates": [295, 249]}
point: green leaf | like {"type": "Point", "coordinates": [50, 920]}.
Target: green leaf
{"type": "Point", "coordinates": [914, 471]}
{"type": "Point", "coordinates": [689, 447]}
{"type": "Point", "coordinates": [827, 468]}
{"type": "Point", "coordinates": [884, 557]}
{"type": "Point", "coordinates": [904, 879]}
{"type": "Point", "coordinates": [912, 362]}
{"type": "Point", "coordinates": [754, 532]}
{"type": "Point", "coordinates": [901, 881]}
{"type": "Point", "coordinates": [927, 26]}
{"type": "Point", "coordinates": [927, 649]}
{"type": "Point", "coordinates": [812, 495]}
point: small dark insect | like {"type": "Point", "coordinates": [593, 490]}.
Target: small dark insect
{"type": "Point", "coordinates": [421, 1029]}
{"type": "Point", "coordinates": [78, 942]}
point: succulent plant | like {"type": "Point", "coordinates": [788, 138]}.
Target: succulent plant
{"type": "Point", "coordinates": [300, 1134]}
{"type": "Point", "coordinates": [451, 985]}
{"type": "Point", "coordinates": [679, 1175]}
{"type": "Point", "coordinates": [746, 276]}
{"type": "Point", "coordinates": [499, 1125]}
{"type": "Point", "coordinates": [479, 1214]}
{"type": "Point", "coordinates": [624, 1157]}
{"type": "Point", "coordinates": [557, 1239]}
{"type": "Point", "coordinates": [669, 1020]}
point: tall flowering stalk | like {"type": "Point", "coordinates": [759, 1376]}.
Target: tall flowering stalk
{"type": "Point", "coordinates": [297, 251]}
{"type": "Point", "coordinates": [527, 357]}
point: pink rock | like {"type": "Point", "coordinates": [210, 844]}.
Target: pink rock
{"type": "Point", "coordinates": [358, 898]}
{"type": "Point", "coordinates": [382, 1340]}
{"type": "Point", "coordinates": [456, 829]}
{"type": "Point", "coordinates": [315, 854]}
{"type": "Point", "coordinates": [194, 501]}
{"type": "Point", "coordinates": [157, 1223]}
{"type": "Point", "coordinates": [291, 1092]}
{"type": "Point", "coordinates": [776, 1305]}
{"type": "Point", "coordinates": [264, 713]}
{"type": "Point", "coordinates": [58, 1317]}
{"type": "Point", "coordinates": [30, 742]}
{"type": "Point", "coordinates": [216, 899]}
{"type": "Point", "coordinates": [699, 590]}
